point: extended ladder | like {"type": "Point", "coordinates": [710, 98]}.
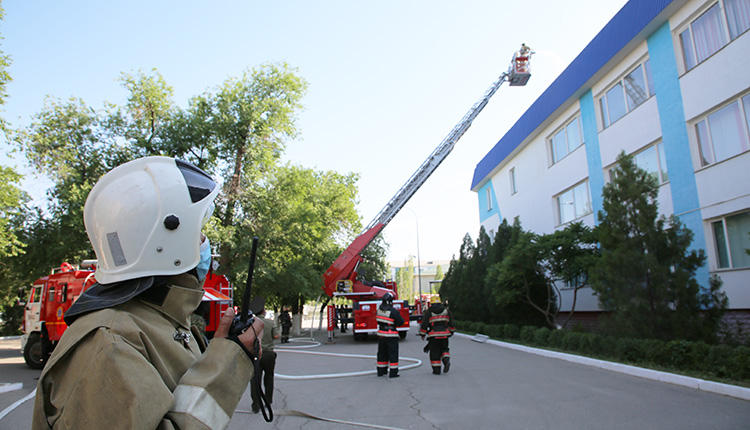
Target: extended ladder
{"type": "Point", "coordinates": [518, 74]}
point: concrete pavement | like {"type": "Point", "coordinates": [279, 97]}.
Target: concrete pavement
{"type": "Point", "coordinates": [490, 386]}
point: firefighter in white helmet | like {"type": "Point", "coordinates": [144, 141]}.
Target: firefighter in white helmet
{"type": "Point", "coordinates": [129, 359]}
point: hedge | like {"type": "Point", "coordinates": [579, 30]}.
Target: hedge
{"type": "Point", "coordinates": [720, 361]}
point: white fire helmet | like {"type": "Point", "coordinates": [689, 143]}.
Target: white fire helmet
{"type": "Point", "coordinates": [144, 218]}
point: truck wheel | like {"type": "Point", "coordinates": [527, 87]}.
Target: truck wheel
{"type": "Point", "coordinates": [402, 334]}
{"type": "Point", "coordinates": [32, 353]}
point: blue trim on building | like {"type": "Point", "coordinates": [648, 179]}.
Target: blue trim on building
{"type": "Point", "coordinates": [626, 24]}
{"type": "Point", "coordinates": [484, 214]}
{"type": "Point", "coordinates": [685, 199]}
{"type": "Point", "coordinates": [593, 156]}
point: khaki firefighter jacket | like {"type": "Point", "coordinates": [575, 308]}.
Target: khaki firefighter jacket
{"type": "Point", "coordinates": [135, 366]}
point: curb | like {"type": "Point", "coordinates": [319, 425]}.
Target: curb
{"type": "Point", "coordinates": [654, 375]}
{"type": "Point", "coordinates": [10, 386]}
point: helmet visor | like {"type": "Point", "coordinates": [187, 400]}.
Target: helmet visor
{"type": "Point", "coordinates": [199, 184]}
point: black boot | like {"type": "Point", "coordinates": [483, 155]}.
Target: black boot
{"type": "Point", "coordinates": [382, 371]}
{"type": "Point", "coordinates": [446, 364]}
{"type": "Point", "coordinates": [436, 370]}
{"type": "Point", "coordinates": [393, 374]}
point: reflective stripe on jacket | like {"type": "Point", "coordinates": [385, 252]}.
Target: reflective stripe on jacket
{"type": "Point", "coordinates": [437, 322]}
{"type": "Point", "coordinates": [388, 320]}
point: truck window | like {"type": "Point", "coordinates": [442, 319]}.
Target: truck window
{"type": "Point", "coordinates": [51, 294]}
{"type": "Point", "coordinates": [36, 294]}
{"type": "Point", "coordinates": [64, 293]}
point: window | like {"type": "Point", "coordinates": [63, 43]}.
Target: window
{"type": "Point", "coordinates": [51, 294]}
{"type": "Point", "coordinates": [732, 239]}
{"type": "Point", "coordinates": [489, 199]}
{"type": "Point", "coordinates": [566, 140]}
{"type": "Point", "coordinates": [652, 161]}
{"type": "Point", "coordinates": [738, 16]}
{"type": "Point", "coordinates": [627, 94]}
{"type": "Point", "coordinates": [36, 294]}
{"type": "Point", "coordinates": [574, 203]}
{"type": "Point", "coordinates": [573, 283]}
{"type": "Point", "coordinates": [713, 29]}
{"type": "Point", "coordinates": [724, 133]}
{"type": "Point", "coordinates": [513, 188]}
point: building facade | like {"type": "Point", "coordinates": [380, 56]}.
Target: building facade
{"type": "Point", "coordinates": [667, 82]}
{"type": "Point", "coordinates": [426, 274]}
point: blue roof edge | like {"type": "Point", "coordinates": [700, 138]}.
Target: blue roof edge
{"type": "Point", "coordinates": [629, 21]}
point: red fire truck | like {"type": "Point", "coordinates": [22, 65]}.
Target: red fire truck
{"type": "Point", "coordinates": [52, 295]}
{"type": "Point", "coordinates": [342, 278]}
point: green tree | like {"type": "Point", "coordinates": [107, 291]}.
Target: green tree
{"type": "Point", "coordinates": [646, 273]}
{"type": "Point", "coordinates": [438, 277]}
{"type": "Point", "coordinates": [405, 280]}
{"type": "Point", "coordinates": [452, 289]}
{"type": "Point", "coordinates": [236, 133]}
{"type": "Point", "coordinates": [253, 118]}
{"type": "Point", "coordinates": [521, 277]}
{"type": "Point", "coordinates": [531, 269]}
{"type": "Point", "coordinates": [462, 286]}
{"type": "Point", "coordinates": [69, 143]}
{"type": "Point", "coordinates": [12, 199]}
{"type": "Point", "coordinates": [298, 217]}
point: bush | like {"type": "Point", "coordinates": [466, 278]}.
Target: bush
{"type": "Point", "coordinates": [656, 352]}
{"type": "Point", "coordinates": [571, 341]}
{"type": "Point", "coordinates": [495, 331]}
{"type": "Point", "coordinates": [541, 335]}
{"type": "Point", "coordinates": [588, 343]}
{"type": "Point", "coordinates": [511, 331]}
{"type": "Point", "coordinates": [626, 349]}
{"type": "Point", "coordinates": [679, 352]}
{"type": "Point", "coordinates": [609, 347]}
{"type": "Point", "coordinates": [527, 334]}
{"type": "Point", "coordinates": [739, 363]}
{"type": "Point", "coordinates": [719, 357]}
{"type": "Point", "coordinates": [555, 338]}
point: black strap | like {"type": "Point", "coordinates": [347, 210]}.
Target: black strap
{"type": "Point", "coordinates": [253, 355]}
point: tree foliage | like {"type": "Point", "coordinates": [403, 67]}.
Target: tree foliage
{"type": "Point", "coordinates": [646, 272]}
{"type": "Point", "coordinates": [405, 279]}
{"type": "Point", "coordinates": [237, 133]}
{"type": "Point", "coordinates": [298, 217]}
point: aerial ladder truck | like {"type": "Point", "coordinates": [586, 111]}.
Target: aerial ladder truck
{"type": "Point", "coordinates": [342, 280]}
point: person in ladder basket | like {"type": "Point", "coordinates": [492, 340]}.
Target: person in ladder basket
{"type": "Point", "coordinates": [388, 319]}
{"type": "Point", "coordinates": [438, 326]}
{"type": "Point", "coordinates": [129, 358]}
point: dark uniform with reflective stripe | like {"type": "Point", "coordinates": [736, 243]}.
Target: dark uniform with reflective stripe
{"type": "Point", "coordinates": [438, 326]}
{"type": "Point", "coordinates": [388, 320]}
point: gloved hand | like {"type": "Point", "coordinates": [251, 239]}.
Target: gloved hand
{"type": "Point", "coordinates": [248, 337]}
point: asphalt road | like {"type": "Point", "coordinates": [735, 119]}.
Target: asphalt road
{"type": "Point", "coordinates": [488, 387]}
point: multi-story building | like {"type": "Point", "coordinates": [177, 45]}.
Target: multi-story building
{"type": "Point", "coordinates": [667, 81]}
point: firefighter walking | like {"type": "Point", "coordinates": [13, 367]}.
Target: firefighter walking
{"type": "Point", "coordinates": [388, 319]}
{"type": "Point", "coordinates": [437, 326]}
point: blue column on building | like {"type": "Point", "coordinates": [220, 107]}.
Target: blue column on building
{"type": "Point", "coordinates": [685, 200]}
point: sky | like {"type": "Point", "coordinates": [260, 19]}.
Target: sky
{"type": "Point", "coordinates": [388, 81]}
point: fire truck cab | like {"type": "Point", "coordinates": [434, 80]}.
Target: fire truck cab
{"type": "Point", "coordinates": [49, 298]}
{"type": "Point", "coordinates": [52, 295]}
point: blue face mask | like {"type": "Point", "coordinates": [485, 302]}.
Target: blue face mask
{"type": "Point", "coordinates": [205, 261]}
